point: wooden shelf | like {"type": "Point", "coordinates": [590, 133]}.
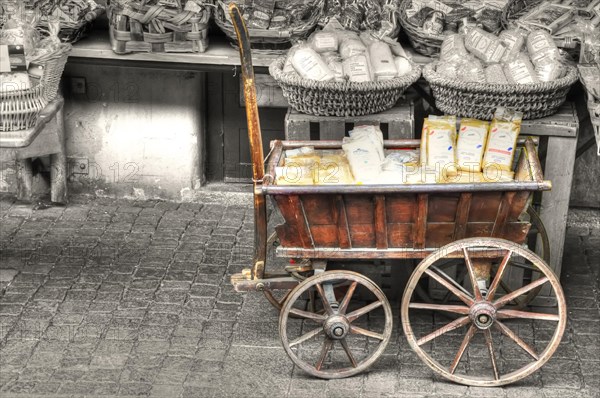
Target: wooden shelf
{"type": "Point", "coordinates": [220, 54]}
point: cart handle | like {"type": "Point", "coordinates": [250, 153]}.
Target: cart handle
{"type": "Point", "coordinates": [254, 133]}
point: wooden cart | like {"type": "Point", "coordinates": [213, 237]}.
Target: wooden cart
{"type": "Point", "coordinates": [474, 227]}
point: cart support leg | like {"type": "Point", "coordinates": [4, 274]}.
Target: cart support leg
{"type": "Point", "coordinates": [260, 236]}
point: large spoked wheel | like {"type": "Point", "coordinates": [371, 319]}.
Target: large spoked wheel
{"type": "Point", "coordinates": [344, 339]}
{"type": "Point", "coordinates": [536, 238]}
{"type": "Point", "coordinates": [494, 341]}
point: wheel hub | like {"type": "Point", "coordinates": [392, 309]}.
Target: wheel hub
{"type": "Point", "coordinates": [336, 327]}
{"type": "Point", "coordinates": [483, 315]}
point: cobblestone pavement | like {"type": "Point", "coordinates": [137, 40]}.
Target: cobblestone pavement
{"type": "Point", "coordinates": [118, 298]}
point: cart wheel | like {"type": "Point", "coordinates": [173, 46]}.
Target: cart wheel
{"type": "Point", "coordinates": [537, 234]}
{"type": "Point", "coordinates": [481, 312]}
{"type": "Point", "coordinates": [362, 330]}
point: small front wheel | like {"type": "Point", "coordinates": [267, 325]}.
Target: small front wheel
{"type": "Point", "coordinates": [346, 337]}
{"type": "Point", "coordinates": [493, 341]}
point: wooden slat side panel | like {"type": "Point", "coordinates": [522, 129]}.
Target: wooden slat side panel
{"type": "Point", "coordinates": [514, 231]}
{"type": "Point", "coordinates": [360, 210]}
{"type": "Point", "coordinates": [439, 234]}
{"type": "Point", "coordinates": [462, 216]}
{"type": "Point", "coordinates": [292, 211]}
{"type": "Point", "coordinates": [484, 206]}
{"type": "Point", "coordinates": [341, 220]}
{"type": "Point", "coordinates": [318, 209]}
{"type": "Point", "coordinates": [325, 235]}
{"type": "Point", "coordinates": [380, 223]}
{"type": "Point", "coordinates": [502, 215]}
{"type": "Point", "coordinates": [400, 235]}
{"type": "Point", "coordinates": [401, 208]}
{"type": "Point", "coordinates": [421, 221]}
{"type": "Point", "coordinates": [442, 208]}
{"type": "Point", "coordinates": [362, 235]}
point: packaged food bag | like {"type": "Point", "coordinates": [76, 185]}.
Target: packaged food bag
{"type": "Point", "coordinates": [382, 61]}
{"type": "Point", "coordinates": [513, 40]}
{"type": "Point", "coordinates": [364, 151]}
{"type": "Point", "coordinates": [334, 169]}
{"type": "Point", "coordinates": [403, 66]}
{"type": "Point", "coordinates": [441, 142]}
{"type": "Point", "coordinates": [502, 140]}
{"type": "Point", "coordinates": [357, 68]}
{"type": "Point", "coordinates": [472, 138]}
{"type": "Point", "coordinates": [484, 45]}
{"type": "Point", "coordinates": [350, 47]}
{"type": "Point", "coordinates": [521, 70]}
{"type": "Point", "coordinates": [308, 64]}
{"type": "Point", "coordinates": [324, 41]}
{"type": "Point", "coordinates": [494, 74]}
{"type": "Point", "coordinates": [453, 47]}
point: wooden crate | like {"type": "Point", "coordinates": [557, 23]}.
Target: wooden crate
{"type": "Point", "coordinates": [396, 123]}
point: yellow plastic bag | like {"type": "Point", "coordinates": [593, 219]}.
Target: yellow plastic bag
{"type": "Point", "coordinates": [472, 138]}
{"type": "Point", "coordinates": [502, 139]}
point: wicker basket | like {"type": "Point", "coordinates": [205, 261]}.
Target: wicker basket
{"type": "Point", "coordinates": [480, 100]}
{"type": "Point", "coordinates": [340, 99]}
{"type": "Point", "coordinates": [424, 43]}
{"type": "Point", "coordinates": [276, 40]}
{"type": "Point", "coordinates": [515, 9]}
{"type": "Point", "coordinates": [72, 32]}
{"type": "Point", "coordinates": [144, 26]}
{"type": "Point", "coordinates": [19, 110]}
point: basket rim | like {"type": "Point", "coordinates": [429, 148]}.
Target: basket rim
{"type": "Point", "coordinates": [276, 71]}
{"type": "Point", "coordinates": [432, 77]}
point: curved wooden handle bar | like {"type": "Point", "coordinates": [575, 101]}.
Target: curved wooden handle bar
{"type": "Point", "coordinates": [256, 146]}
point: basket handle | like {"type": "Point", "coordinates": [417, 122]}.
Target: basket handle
{"type": "Point", "coordinates": [254, 133]}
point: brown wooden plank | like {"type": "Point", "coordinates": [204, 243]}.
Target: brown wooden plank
{"type": "Point", "coordinates": [324, 235]}
{"type": "Point", "coordinates": [360, 209]}
{"type": "Point", "coordinates": [439, 234]}
{"type": "Point", "coordinates": [401, 208]}
{"type": "Point", "coordinates": [400, 234]}
{"type": "Point", "coordinates": [502, 214]}
{"type": "Point", "coordinates": [292, 211]}
{"type": "Point", "coordinates": [380, 223]}
{"type": "Point", "coordinates": [362, 235]}
{"type": "Point", "coordinates": [318, 209]}
{"type": "Point", "coordinates": [442, 208]}
{"type": "Point", "coordinates": [462, 216]}
{"type": "Point", "coordinates": [341, 220]}
{"type": "Point", "coordinates": [484, 206]}
{"type": "Point", "coordinates": [420, 229]}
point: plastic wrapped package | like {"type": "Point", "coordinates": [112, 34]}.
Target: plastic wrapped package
{"type": "Point", "coordinates": [308, 64]}
{"type": "Point", "coordinates": [403, 66]}
{"type": "Point", "coordinates": [484, 45]}
{"type": "Point", "coordinates": [453, 47]}
{"type": "Point", "coordinates": [440, 144]}
{"type": "Point", "coordinates": [541, 47]}
{"type": "Point", "coordinates": [334, 169]}
{"type": "Point", "coordinates": [382, 61]}
{"type": "Point", "coordinates": [470, 69]}
{"type": "Point", "coordinates": [502, 139]}
{"type": "Point", "coordinates": [472, 138]}
{"type": "Point", "coordinates": [448, 69]}
{"type": "Point", "coordinates": [513, 40]}
{"type": "Point", "coordinates": [521, 70]}
{"type": "Point", "coordinates": [364, 151]}
{"type": "Point", "coordinates": [357, 68]}
{"type": "Point", "coordinates": [549, 70]}
{"type": "Point", "coordinates": [434, 23]}
{"type": "Point", "coordinates": [494, 74]}
{"type": "Point", "coordinates": [350, 47]}
{"type": "Point", "coordinates": [324, 41]}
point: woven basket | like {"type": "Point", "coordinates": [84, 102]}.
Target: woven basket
{"type": "Point", "coordinates": [145, 26]}
{"type": "Point", "coordinates": [515, 9]}
{"type": "Point", "coordinates": [340, 99]}
{"type": "Point", "coordinates": [424, 43]}
{"type": "Point", "coordinates": [274, 40]}
{"type": "Point", "coordinates": [480, 100]}
{"type": "Point", "coordinates": [19, 110]}
{"type": "Point", "coordinates": [72, 32]}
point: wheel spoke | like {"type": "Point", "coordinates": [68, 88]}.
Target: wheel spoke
{"type": "Point", "coordinates": [327, 346]}
{"type": "Point", "coordinates": [513, 295]}
{"type": "Point", "coordinates": [326, 303]}
{"type": "Point", "coordinates": [490, 346]}
{"type": "Point", "coordinates": [463, 347]}
{"type": "Point", "coordinates": [498, 277]}
{"type": "Point", "coordinates": [457, 309]}
{"type": "Point", "coordinates": [508, 314]}
{"type": "Point", "coordinates": [308, 315]}
{"type": "Point", "coordinates": [444, 329]}
{"type": "Point", "coordinates": [306, 336]}
{"type": "Point", "coordinates": [362, 311]}
{"type": "Point", "coordinates": [346, 300]}
{"type": "Point", "coordinates": [462, 296]}
{"type": "Point", "coordinates": [472, 275]}
{"type": "Point", "coordinates": [457, 283]}
{"type": "Point", "coordinates": [505, 330]}
{"type": "Point", "coordinates": [358, 330]}
{"type": "Point", "coordinates": [348, 352]}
